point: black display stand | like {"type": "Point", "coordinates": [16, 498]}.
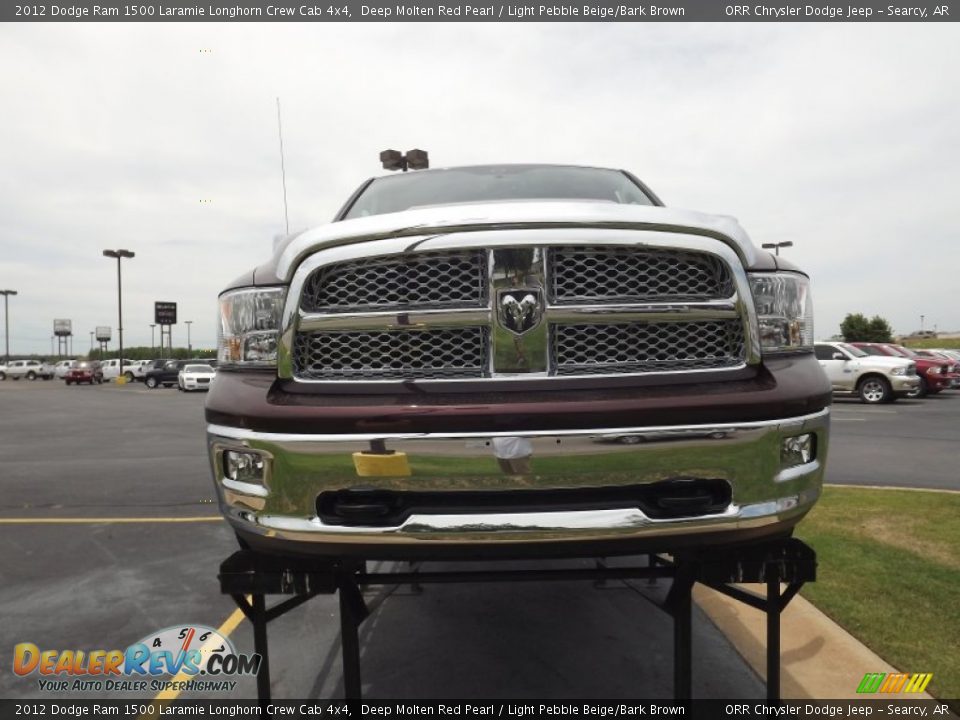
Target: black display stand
{"type": "Point", "coordinates": [785, 561]}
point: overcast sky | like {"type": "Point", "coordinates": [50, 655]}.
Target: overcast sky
{"type": "Point", "coordinates": [842, 138]}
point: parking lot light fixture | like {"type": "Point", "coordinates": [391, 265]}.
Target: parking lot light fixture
{"type": "Point", "coordinates": [189, 344]}
{"type": "Point", "coordinates": [6, 322]}
{"type": "Point", "coordinates": [119, 255]}
{"type": "Point", "coordinates": [152, 338]}
{"type": "Point", "coordinates": [776, 246]}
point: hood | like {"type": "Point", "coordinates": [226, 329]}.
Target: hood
{"type": "Point", "coordinates": [517, 214]}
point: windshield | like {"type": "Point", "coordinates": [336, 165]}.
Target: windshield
{"type": "Point", "coordinates": [487, 183]}
{"type": "Point", "coordinates": [198, 369]}
{"type": "Point", "coordinates": [855, 351]}
{"type": "Point", "coordinates": [905, 352]}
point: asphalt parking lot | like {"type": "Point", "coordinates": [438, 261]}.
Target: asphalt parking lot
{"type": "Point", "coordinates": [111, 533]}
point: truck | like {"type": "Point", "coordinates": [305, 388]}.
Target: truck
{"type": "Point", "coordinates": [432, 374]}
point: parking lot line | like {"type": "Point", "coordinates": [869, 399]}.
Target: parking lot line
{"type": "Point", "coordinates": [227, 627]}
{"type": "Point", "coordinates": [96, 521]}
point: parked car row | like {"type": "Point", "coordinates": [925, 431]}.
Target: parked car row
{"type": "Point", "coordinates": [883, 372]}
{"type": "Point", "coordinates": [192, 374]}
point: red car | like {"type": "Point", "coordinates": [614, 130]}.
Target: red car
{"type": "Point", "coordinates": [935, 375]}
{"type": "Point", "coordinates": [84, 371]}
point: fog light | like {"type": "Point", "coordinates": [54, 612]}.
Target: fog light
{"type": "Point", "coordinates": [797, 450]}
{"type": "Point", "coordinates": [243, 466]}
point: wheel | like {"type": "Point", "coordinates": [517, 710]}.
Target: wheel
{"type": "Point", "coordinates": [921, 390]}
{"type": "Point", "coordinates": [128, 376]}
{"type": "Point", "coordinates": [3, 376]}
{"type": "Point", "coordinates": [629, 439]}
{"type": "Point", "coordinates": [69, 382]}
{"type": "Point", "coordinates": [151, 382]}
{"type": "Point", "coordinates": [179, 387]}
{"type": "Point", "coordinates": [31, 375]}
{"type": "Point", "coordinates": [99, 381]}
{"type": "Point", "coordinates": [874, 390]}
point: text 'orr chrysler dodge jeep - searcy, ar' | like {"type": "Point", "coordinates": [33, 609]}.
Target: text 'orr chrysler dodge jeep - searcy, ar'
{"type": "Point", "coordinates": [516, 360]}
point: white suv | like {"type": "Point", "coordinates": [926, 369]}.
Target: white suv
{"type": "Point", "coordinates": [874, 378]}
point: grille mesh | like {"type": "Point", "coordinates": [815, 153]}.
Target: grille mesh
{"type": "Point", "coordinates": [424, 280]}
{"type": "Point", "coordinates": [396, 355]}
{"type": "Point", "coordinates": [647, 347]}
{"type": "Point", "coordinates": [611, 274]}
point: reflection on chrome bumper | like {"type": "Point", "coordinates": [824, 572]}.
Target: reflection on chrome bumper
{"type": "Point", "coordinates": [299, 468]}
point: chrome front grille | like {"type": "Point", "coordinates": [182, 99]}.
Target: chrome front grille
{"type": "Point", "coordinates": [619, 274]}
{"type": "Point", "coordinates": [647, 347]}
{"type": "Point", "coordinates": [522, 311]}
{"type": "Point", "coordinates": [423, 280]}
{"type": "Point", "coordinates": [397, 355]}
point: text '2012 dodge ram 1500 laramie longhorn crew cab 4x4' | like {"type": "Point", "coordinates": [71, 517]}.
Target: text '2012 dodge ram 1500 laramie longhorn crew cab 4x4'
{"type": "Point", "coordinates": [427, 375]}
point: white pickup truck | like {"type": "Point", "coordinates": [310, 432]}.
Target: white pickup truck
{"type": "Point", "coordinates": [874, 378]}
{"type": "Point", "coordinates": [132, 369]}
{"type": "Point", "coordinates": [29, 369]}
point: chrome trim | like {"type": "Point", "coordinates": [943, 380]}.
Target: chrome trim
{"type": "Point", "coordinates": [416, 223]}
{"type": "Point", "coordinates": [797, 471]}
{"type": "Point", "coordinates": [740, 304]}
{"type": "Point", "coordinates": [393, 320]}
{"type": "Point", "coordinates": [787, 424]}
{"type": "Point", "coordinates": [244, 488]}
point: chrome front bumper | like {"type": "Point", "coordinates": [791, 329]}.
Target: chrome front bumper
{"type": "Point", "coordinates": [903, 384]}
{"type": "Point", "coordinates": [767, 496]}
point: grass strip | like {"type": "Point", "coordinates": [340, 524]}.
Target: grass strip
{"type": "Point", "coordinates": [889, 572]}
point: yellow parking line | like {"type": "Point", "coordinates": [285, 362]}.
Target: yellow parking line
{"type": "Point", "coordinates": [165, 697]}
{"type": "Point", "coordinates": [81, 521]}
{"type": "Point", "coordinates": [228, 626]}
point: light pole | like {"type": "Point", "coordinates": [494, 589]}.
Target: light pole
{"type": "Point", "coordinates": [119, 255]}
{"type": "Point", "coordinates": [152, 338]}
{"type": "Point", "coordinates": [776, 246]}
{"type": "Point", "coordinates": [189, 345]}
{"type": "Point", "coordinates": [6, 321]}
{"type": "Point", "coordinates": [91, 345]}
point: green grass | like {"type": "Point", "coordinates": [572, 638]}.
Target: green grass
{"type": "Point", "coordinates": [946, 344]}
{"type": "Point", "coordinates": [889, 572]}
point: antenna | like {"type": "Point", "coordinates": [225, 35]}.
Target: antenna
{"type": "Point", "coordinates": [283, 170]}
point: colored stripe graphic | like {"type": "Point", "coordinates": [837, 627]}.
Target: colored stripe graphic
{"type": "Point", "coordinates": [894, 682]}
{"type": "Point", "coordinates": [871, 682]}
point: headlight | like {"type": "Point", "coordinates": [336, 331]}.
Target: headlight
{"type": "Point", "coordinates": [899, 370]}
{"type": "Point", "coordinates": [934, 370]}
{"type": "Point", "coordinates": [784, 311]}
{"type": "Point", "coordinates": [249, 327]}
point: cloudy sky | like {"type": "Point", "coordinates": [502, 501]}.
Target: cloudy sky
{"type": "Point", "coordinates": [162, 139]}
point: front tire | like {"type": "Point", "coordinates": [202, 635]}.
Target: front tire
{"type": "Point", "coordinates": [128, 376]}
{"type": "Point", "coordinates": [31, 376]}
{"type": "Point", "coordinates": [875, 390]}
{"type": "Point", "coordinates": [151, 382]}
{"type": "Point", "coordinates": [921, 391]}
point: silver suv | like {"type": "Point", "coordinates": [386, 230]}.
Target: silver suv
{"type": "Point", "coordinates": [874, 378]}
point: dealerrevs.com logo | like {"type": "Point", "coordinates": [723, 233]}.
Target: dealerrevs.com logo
{"type": "Point", "coordinates": [185, 652]}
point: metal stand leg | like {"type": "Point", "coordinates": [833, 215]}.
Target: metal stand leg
{"type": "Point", "coordinates": [773, 637]}
{"type": "Point", "coordinates": [680, 604]}
{"type": "Point", "coordinates": [353, 611]}
{"type": "Point", "coordinates": [259, 619]}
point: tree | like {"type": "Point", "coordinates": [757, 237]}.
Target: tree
{"type": "Point", "coordinates": [856, 328]}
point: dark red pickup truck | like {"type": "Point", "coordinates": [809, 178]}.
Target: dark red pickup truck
{"type": "Point", "coordinates": [428, 375]}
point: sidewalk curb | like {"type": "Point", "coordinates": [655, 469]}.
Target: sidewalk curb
{"type": "Point", "coordinates": [818, 658]}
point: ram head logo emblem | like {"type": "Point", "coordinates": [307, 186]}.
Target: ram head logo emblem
{"type": "Point", "coordinates": [519, 311]}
